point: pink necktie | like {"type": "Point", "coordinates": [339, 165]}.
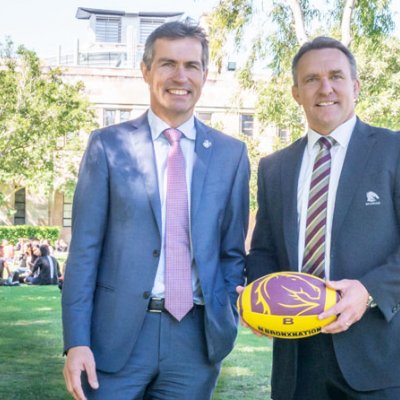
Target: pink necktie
{"type": "Point", "coordinates": [314, 250]}
{"type": "Point", "coordinates": [178, 281]}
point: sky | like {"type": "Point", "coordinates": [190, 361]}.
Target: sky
{"type": "Point", "coordinates": [44, 25]}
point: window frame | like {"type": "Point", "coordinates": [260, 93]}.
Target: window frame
{"type": "Point", "coordinates": [108, 28]}
{"type": "Point", "coordinates": [247, 119]}
{"type": "Point", "coordinates": [67, 213]}
{"type": "Point", "coordinates": [20, 219]}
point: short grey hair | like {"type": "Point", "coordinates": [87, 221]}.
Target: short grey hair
{"type": "Point", "coordinates": [323, 42]}
{"type": "Point", "coordinates": [176, 30]}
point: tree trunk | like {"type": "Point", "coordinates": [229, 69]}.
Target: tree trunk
{"type": "Point", "coordinates": [346, 22]}
{"type": "Point", "coordinates": [298, 17]}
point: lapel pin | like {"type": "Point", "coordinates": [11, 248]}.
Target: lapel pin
{"type": "Point", "coordinates": [207, 144]}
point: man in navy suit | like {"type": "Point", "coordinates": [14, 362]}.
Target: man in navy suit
{"type": "Point", "coordinates": [120, 340]}
{"type": "Point", "coordinates": [358, 355]}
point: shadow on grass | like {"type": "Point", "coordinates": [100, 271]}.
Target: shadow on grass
{"type": "Point", "coordinates": [246, 371]}
{"type": "Point", "coordinates": [31, 344]}
{"type": "Point", "coordinates": [31, 360]}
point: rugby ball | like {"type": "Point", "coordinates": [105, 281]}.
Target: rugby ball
{"type": "Point", "coordinates": [286, 305]}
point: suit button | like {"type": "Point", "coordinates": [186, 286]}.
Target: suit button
{"type": "Point", "coordinates": [146, 295]}
{"type": "Point", "coordinates": [156, 253]}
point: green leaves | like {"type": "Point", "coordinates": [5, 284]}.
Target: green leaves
{"type": "Point", "coordinates": [379, 72]}
{"type": "Point", "coordinates": [230, 16]}
{"type": "Point", "coordinates": [41, 118]}
{"type": "Point", "coordinates": [372, 20]}
{"type": "Point", "coordinates": [13, 233]}
{"type": "Point", "coordinates": [277, 27]}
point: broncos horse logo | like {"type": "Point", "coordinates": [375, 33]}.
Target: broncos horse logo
{"type": "Point", "coordinates": [298, 295]}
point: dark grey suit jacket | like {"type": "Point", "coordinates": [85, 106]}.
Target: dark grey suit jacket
{"type": "Point", "coordinates": [116, 239]}
{"type": "Point", "coordinates": [365, 246]}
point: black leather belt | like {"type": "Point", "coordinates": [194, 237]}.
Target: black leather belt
{"type": "Point", "coordinates": [157, 305]}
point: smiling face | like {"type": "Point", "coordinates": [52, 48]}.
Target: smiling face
{"type": "Point", "coordinates": [325, 89]}
{"type": "Point", "coordinates": [175, 79]}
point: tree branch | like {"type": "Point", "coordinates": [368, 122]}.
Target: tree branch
{"type": "Point", "coordinates": [346, 22]}
{"type": "Point", "coordinates": [298, 20]}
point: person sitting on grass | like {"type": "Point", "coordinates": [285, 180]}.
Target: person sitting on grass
{"type": "Point", "coordinates": [3, 263]}
{"type": "Point", "coordinates": [46, 269]}
{"type": "Point", "coordinates": [61, 246]}
{"type": "Point", "coordinates": [24, 268]}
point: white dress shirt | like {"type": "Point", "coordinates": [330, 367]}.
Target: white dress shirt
{"type": "Point", "coordinates": [342, 135]}
{"type": "Point", "coordinates": [161, 149]}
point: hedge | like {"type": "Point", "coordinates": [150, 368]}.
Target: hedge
{"type": "Point", "coordinates": [15, 232]}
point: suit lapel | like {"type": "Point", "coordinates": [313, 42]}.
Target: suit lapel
{"type": "Point", "coordinates": [143, 151]}
{"type": "Point", "coordinates": [203, 150]}
{"type": "Point", "coordinates": [290, 170]}
{"type": "Point", "coordinates": [354, 167]}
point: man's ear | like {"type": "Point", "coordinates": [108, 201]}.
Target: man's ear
{"type": "Point", "coordinates": [295, 94]}
{"type": "Point", "coordinates": [145, 71]}
{"type": "Point", "coordinates": [356, 88]}
{"type": "Point", "coordinates": [205, 74]}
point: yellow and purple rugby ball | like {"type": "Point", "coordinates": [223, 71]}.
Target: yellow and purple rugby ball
{"type": "Point", "coordinates": [286, 305]}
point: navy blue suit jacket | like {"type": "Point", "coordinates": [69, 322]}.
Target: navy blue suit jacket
{"type": "Point", "coordinates": [116, 239]}
{"type": "Point", "coordinates": [365, 246]}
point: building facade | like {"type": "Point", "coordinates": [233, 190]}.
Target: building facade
{"type": "Point", "coordinates": [107, 61]}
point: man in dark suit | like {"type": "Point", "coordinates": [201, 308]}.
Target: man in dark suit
{"type": "Point", "coordinates": [127, 324]}
{"type": "Point", "coordinates": [353, 170]}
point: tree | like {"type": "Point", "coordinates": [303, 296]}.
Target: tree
{"type": "Point", "coordinates": [255, 154]}
{"type": "Point", "coordinates": [271, 33]}
{"type": "Point", "coordinates": [41, 118]}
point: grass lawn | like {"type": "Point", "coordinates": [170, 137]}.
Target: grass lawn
{"type": "Point", "coordinates": [31, 345]}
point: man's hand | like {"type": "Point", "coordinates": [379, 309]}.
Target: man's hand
{"type": "Point", "coordinates": [239, 289]}
{"type": "Point", "coordinates": [79, 359]}
{"type": "Point", "coordinates": [349, 309]}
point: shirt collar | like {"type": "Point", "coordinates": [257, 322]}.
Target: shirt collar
{"type": "Point", "coordinates": [158, 126]}
{"type": "Point", "coordinates": [341, 134]}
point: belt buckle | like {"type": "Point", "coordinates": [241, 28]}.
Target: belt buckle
{"type": "Point", "coordinates": [155, 299]}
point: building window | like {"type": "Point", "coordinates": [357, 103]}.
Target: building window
{"type": "Point", "coordinates": [67, 211]}
{"type": "Point", "coordinates": [124, 115]}
{"type": "Point", "coordinates": [205, 117]}
{"type": "Point", "coordinates": [108, 29]}
{"type": "Point", "coordinates": [246, 124]}
{"type": "Point", "coordinates": [147, 25]}
{"type": "Point", "coordinates": [114, 116]}
{"type": "Point", "coordinates": [231, 66]}
{"type": "Point", "coordinates": [20, 207]}
{"type": "Point", "coordinates": [109, 117]}
{"type": "Point", "coordinates": [284, 135]}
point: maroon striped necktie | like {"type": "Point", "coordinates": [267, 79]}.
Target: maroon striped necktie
{"type": "Point", "coordinates": [178, 281]}
{"type": "Point", "coordinates": [315, 237]}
